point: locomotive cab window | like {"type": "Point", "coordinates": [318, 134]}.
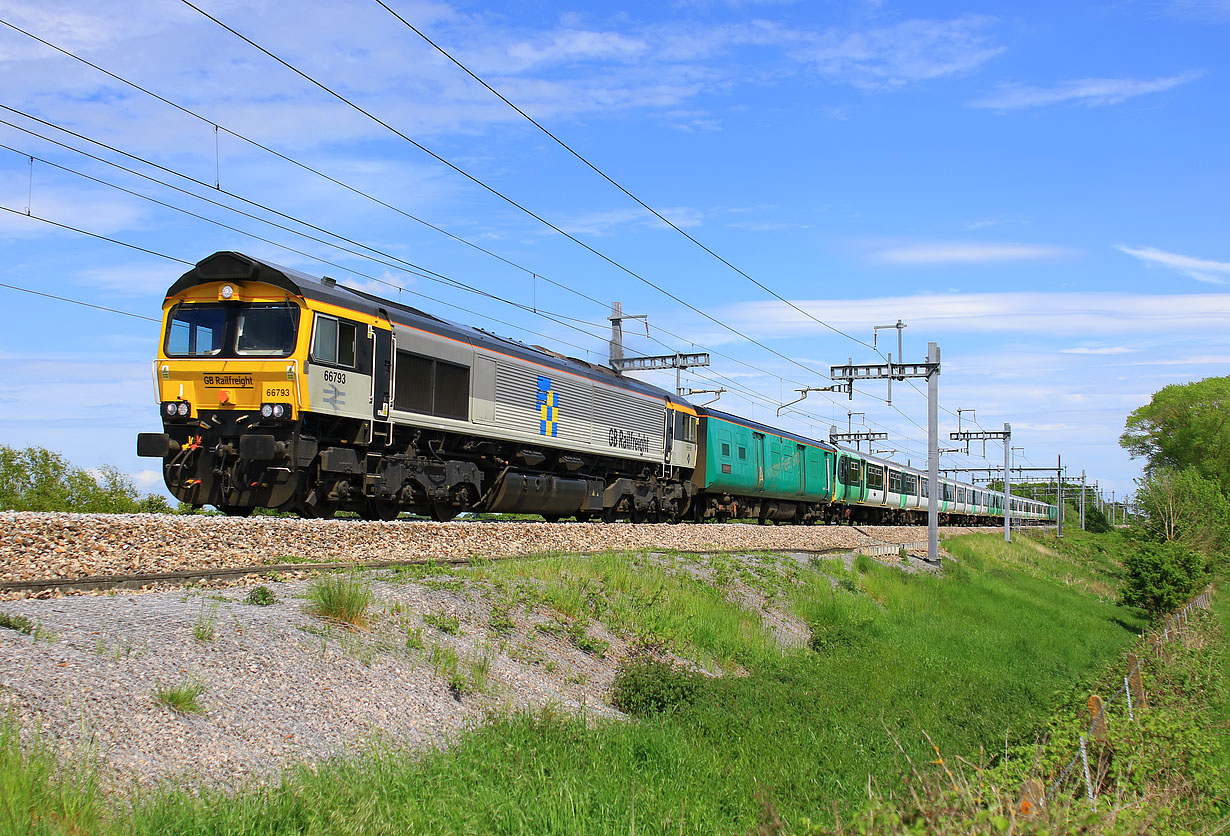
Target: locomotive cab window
{"type": "Point", "coordinates": [334, 341]}
{"type": "Point", "coordinates": [266, 330]}
{"type": "Point", "coordinates": [196, 331]}
{"type": "Point", "coordinates": [685, 428]}
{"type": "Point", "coordinates": [431, 386]}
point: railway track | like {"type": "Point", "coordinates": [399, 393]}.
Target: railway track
{"type": "Point", "coordinates": [44, 552]}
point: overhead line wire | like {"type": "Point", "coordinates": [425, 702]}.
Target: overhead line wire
{"type": "Point", "coordinates": [77, 301]}
{"type": "Point", "coordinates": [499, 194]}
{"type": "Point", "coordinates": [612, 181]}
{"type": "Point", "coordinates": [391, 207]}
{"type": "Point", "coordinates": [304, 166]}
{"type": "Point", "coordinates": [331, 179]}
{"type": "Point", "coordinates": [409, 267]}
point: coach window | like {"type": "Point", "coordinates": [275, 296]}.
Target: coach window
{"type": "Point", "coordinates": [894, 481]}
{"type": "Point", "coordinates": [725, 450]}
{"type": "Point", "coordinates": [334, 341]}
{"type": "Point", "coordinates": [875, 478]}
{"type": "Point", "coordinates": [742, 454]}
{"type": "Point", "coordinates": [924, 488]}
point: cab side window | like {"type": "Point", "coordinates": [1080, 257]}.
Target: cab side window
{"type": "Point", "coordinates": [334, 341]}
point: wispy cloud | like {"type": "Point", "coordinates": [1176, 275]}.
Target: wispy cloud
{"type": "Point", "coordinates": [911, 51]}
{"type": "Point", "coordinates": [1061, 314]}
{"type": "Point", "coordinates": [1112, 349]}
{"type": "Point", "coordinates": [1090, 92]}
{"type": "Point", "coordinates": [1200, 269]}
{"type": "Point", "coordinates": [956, 252]}
{"type": "Point", "coordinates": [609, 221]}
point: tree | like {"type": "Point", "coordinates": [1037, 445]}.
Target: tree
{"type": "Point", "coordinates": [1184, 506]}
{"type": "Point", "coordinates": [37, 479]}
{"type": "Point", "coordinates": [1184, 426]}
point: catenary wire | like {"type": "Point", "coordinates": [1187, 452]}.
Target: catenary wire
{"type": "Point", "coordinates": [618, 186]}
{"type": "Point", "coordinates": [400, 288]}
{"type": "Point", "coordinates": [353, 189]}
{"type": "Point", "coordinates": [497, 193]}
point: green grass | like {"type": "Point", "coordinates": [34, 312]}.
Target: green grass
{"type": "Point", "coordinates": [203, 631]}
{"type": "Point", "coordinates": [444, 622]}
{"type": "Point", "coordinates": [341, 597]}
{"type": "Point", "coordinates": [37, 794]}
{"type": "Point", "coordinates": [16, 622]}
{"type": "Point", "coordinates": [967, 659]}
{"type": "Point", "coordinates": [183, 698]}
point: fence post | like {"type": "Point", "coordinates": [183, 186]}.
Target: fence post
{"type": "Point", "coordinates": [1097, 714]}
{"type": "Point", "coordinates": [1127, 689]}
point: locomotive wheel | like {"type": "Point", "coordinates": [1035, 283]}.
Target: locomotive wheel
{"type": "Point", "coordinates": [608, 515]}
{"type": "Point", "coordinates": [443, 512]}
{"type": "Point", "coordinates": [582, 516]}
{"type": "Point", "coordinates": [637, 516]}
{"type": "Point", "coordinates": [319, 511]}
{"type": "Point", "coordinates": [236, 510]}
{"type": "Point", "coordinates": [552, 518]}
{"type": "Point", "coordinates": [384, 510]}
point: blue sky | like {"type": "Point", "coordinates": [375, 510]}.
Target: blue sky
{"type": "Point", "coordinates": [1039, 188]}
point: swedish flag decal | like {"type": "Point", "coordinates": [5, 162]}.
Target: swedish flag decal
{"type": "Point", "coordinates": [548, 405]}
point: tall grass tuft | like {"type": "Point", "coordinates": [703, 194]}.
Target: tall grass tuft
{"type": "Point", "coordinates": [183, 698]}
{"type": "Point", "coordinates": [38, 794]}
{"type": "Point", "coordinates": [342, 597]}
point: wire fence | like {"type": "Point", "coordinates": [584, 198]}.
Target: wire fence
{"type": "Point", "coordinates": [1134, 698]}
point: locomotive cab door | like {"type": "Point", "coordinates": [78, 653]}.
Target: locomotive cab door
{"type": "Point", "coordinates": [382, 383]}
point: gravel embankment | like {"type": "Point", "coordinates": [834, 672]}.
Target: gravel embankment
{"type": "Point", "coordinates": [36, 546]}
{"type": "Point", "coordinates": [284, 687]}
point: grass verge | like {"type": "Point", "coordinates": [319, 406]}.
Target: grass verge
{"type": "Point", "coordinates": [983, 654]}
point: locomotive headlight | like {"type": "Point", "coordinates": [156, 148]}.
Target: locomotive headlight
{"type": "Point", "coordinates": [169, 409]}
{"type": "Point", "coordinates": [266, 410]}
{"type": "Point", "coordinates": [228, 292]}
{"type": "Point", "coordinates": [182, 409]}
{"type": "Point", "coordinates": [278, 410]}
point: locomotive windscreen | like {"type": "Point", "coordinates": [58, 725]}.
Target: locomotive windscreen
{"type": "Point", "coordinates": [232, 330]}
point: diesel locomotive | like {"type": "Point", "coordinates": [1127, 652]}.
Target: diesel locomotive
{"type": "Point", "coordinates": [282, 390]}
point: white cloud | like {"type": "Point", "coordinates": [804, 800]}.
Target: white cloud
{"type": "Point", "coordinates": [1200, 269]}
{"type": "Point", "coordinates": [1091, 92]}
{"type": "Point", "coordinates": [1057, 314]}
{"type": "Point", "coordinates": [1114, 349]}
{"type": "Point", "coordinates": [968, 253]}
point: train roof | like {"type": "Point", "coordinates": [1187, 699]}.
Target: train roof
{"type": "Point", "coordinates": [233, 266]}
{"type": "Point", "coordinates": [756, 425]}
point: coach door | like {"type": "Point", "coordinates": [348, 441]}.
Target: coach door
{"type": "Point", "coordinates": [758, 452]}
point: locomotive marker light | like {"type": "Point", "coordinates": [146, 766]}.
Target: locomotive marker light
{"type": "Point", "coordinates": [889, 371]}
{"type": "Point", "coordinates": [993, 435]}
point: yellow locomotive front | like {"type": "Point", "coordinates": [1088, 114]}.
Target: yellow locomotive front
{"type": "Point", "coordinates": [228, 384]}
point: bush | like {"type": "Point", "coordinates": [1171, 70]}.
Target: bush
{"type": "Point", "coordinates": [1162, 576]}
{"type": "Point", "coordinates": [647, 686]}
{"type": "Point", "coordinates": [261, 596]}
{"type": "Point", "coordinates": [1095, 520]}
